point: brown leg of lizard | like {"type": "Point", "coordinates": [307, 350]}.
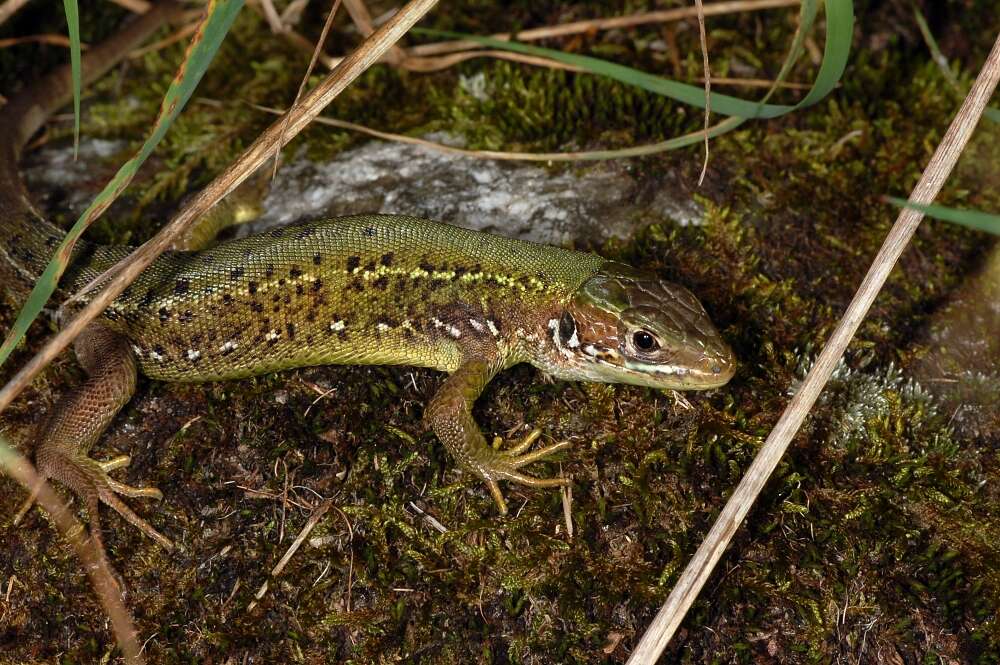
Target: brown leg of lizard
{"type": "Point", "coordinates": [79, 419]}
{"type": "Point", "coordinates": [450, 414]}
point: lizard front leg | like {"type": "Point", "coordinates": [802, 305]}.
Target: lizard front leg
{"type": "Point", "coordinates": [450, 415]}
{"type": "Point", "coordinates": [78, 420]}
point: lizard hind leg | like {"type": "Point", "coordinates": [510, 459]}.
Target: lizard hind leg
{"type": "Point", "coordinates": [79, 419]}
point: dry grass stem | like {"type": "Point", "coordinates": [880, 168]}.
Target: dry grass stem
{"type": "Point", "coordinates": [93, 558]}
{"type": "Point", "coordinates": [578, 27]}
{"type": "Point", "coordinates": [708, 83]}
{"type": "Point", "coordinates": [180, 34]}
{"type": "Point", "coordinates": [756, 83]}
{"type": "Point", "coordinates": [9, 8]}
{"type": "Point", "coordinates": [363, 20]}
{"type": "Point", "coordinates": [700, 567]}
{"type": "Point", "coordinates": [270, 15]}
{"type": "Point", "coordinates": [134, 6]}
{"type": "Point", "coordinates": [54, 40]}
{"type": "Point", "coordinates": [310, 524]}
{"type": "Point", "coordinates": [125, 272]}
{"type": "Point", "coordinates": [317, 51]}
{"type": "Point", "coordinates": [443, 62]}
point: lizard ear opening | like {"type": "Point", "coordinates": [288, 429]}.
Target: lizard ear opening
{"type": "Point", "coordinates": [567, 330]}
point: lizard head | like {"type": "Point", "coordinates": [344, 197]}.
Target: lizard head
{"type": "Point", "coordinates": [627, 326]}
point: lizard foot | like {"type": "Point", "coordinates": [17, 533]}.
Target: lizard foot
{"type": "Point", "coordinates": [90, 480]}
{"type": "Point", "coordinates": [504, 465]}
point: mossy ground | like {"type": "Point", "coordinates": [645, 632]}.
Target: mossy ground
{"type": "Point", "coordinates": [876, 540]}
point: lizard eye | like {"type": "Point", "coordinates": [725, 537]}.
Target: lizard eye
{"type": "Point", "coordinates": [567, 328]}
{"type": "Point", "coordinates": [645, 341]}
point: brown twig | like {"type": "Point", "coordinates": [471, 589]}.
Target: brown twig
{"type": "Point", "coordinates": [125, 272]}
{"type": "Point", "coordinates": [577, 27]}
{"type": "Point", "coordinates": [181, 33]}
{"type": "Point", "coordinates": [134, 6]}
{"type": "Point", "coordinates": [93, 558]}
{"type": "Point", "coordinates": [703, 562]}
{"type": "Point", "coordinates": [317, 51]}
{"type": "Point", "coordinates": [757, 83]}
{"type": "Point", "coordinates": [10, 8]}
{"type": "Point", "coordinates": [708, 82]}
{"type": "Point", "coordinates": [363, 20]}
{"type": "Point", "coordinates": [54, 40]}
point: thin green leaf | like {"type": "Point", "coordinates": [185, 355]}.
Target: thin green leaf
{"type": "Point", "coordinates": [942, 62]}
{"type": "Point", "coordinates": [839, 26]}
{"type": "Point", "coordinates": [204, 43]}
{"type": "Point", "coordinates": [973, 219]}
{"type": "Point", "coordinates": [73, 27]}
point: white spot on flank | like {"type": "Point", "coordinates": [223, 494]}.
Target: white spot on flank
{"type": "Point", "coordinates": [228, 346]}
{"type": "Point", "coordinates": [476, 325]}
{"type": "Point", "coordinates": [138, 350]}
{"type": "Point", "coordinates": [574, 341]}
{"type": "Point", "coordinates": [193, 354]}
{"type": "Point", "coordinates": [271, 336]}
{"type": "Point", "coordinates": [493, 328]}
{"type": "Point", "coordinates": [437, 322]}
{"type": "Point", "coordinates": [337, 326]}
{"type": "Point", "coordinates": [382, 327]}
{"type": "Point", "coordinates": [454, 332]}
{"type": "Point", "coordinates": [590, 350]}
{"type": "Point", "coordinates": [155, 356]}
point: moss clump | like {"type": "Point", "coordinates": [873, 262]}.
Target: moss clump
{"type": "Point", "coordinates": [873, 542]}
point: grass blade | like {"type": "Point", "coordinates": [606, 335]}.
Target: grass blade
{"type": "Point", "coordinates": [204, 44]}
{"type": "Point", "coordinates": [973, 219]}
{"type": "Point", "coordinates": [73, 27]}
{"type": "Point", "coordinates": [839, 32]}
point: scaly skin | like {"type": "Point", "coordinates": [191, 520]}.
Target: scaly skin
{"type": "Point", "coordinates": [368, 289]}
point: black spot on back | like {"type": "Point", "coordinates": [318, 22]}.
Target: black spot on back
{"type": "Point", "coordinates": [182, 286]}
{"type": "Point", "coordinates": [353, 262]}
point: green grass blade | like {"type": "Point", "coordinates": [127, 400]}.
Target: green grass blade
{"type": "Point", "coordinates": [839, 29]}
{"type": "Point", "coordinates": [204, 43]}
{"type": "Point", "coordinates": [73, 27]}
{"type": "Point", "coordinates": [942, 62]}
{"type": "Point", "coordinates": [973, 219]}
{"type": "Point", "coordinates": [807, 16]}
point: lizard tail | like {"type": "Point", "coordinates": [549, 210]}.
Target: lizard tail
{"type": "Point", "coordinates": [27, 239]}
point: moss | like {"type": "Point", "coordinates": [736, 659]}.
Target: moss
{"type": "Point", "coordinates": [873, 541]}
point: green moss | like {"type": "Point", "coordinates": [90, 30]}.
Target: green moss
{"type": "Point", "coordinates": [874, 539]}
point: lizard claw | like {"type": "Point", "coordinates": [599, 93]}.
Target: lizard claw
{"type": "Point", "coordinates": [504, 465]}
{"type": "Point", "coordinates": [89, 478]}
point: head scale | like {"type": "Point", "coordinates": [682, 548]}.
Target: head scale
{"type": "Point", "coordinates": [627, 326]}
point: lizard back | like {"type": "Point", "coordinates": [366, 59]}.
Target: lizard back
{"type": "Point", "coordinates": [367, 289]}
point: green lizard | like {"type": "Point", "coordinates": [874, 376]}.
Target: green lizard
{"type": "Point", "coordinates": [367, 289]}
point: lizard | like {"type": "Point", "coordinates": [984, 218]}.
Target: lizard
{"type": "Point", "coordinates": [364, 289]}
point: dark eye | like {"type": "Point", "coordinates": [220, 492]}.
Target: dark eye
{"type": "Point", "coordinates": [644, 341]}
{"type": "Point", "coordinates": [567, 328]}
